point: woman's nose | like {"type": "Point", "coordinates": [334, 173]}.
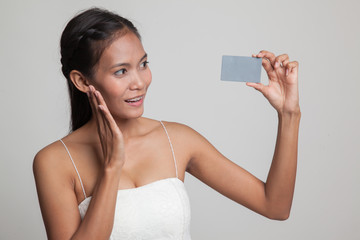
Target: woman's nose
{"type": "Point", "coordinates": [136, 82]}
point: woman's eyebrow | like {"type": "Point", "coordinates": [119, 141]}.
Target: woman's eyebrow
{"type": "Point", "coordinates": [127, 64]}
{"type": "Point", "coordinates": [145, 56]}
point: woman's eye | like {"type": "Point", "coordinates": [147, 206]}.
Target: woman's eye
{"type": "Point", "coordinates": [144, 64]}
{"type": "Point", "coordinates": [120, 72]}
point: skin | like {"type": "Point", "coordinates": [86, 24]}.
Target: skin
{"type": "Point", "coordinates": [119, 149]}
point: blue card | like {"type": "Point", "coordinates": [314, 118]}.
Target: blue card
{"type": "Point", "coordinates": [241, 69]}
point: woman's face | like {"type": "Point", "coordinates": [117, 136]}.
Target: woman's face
{"type": "Point", "coordinates": [123, 77]}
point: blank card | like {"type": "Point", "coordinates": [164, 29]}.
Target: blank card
{"type": "Point", "coordinates": [241, 69]}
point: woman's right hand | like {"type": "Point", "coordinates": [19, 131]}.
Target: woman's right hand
{"type": "Point", "coordinates": [111, 138]}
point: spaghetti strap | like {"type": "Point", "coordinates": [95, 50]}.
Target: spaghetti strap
{"type": "Point", "coordinates": [172, 149]}
{"type": "Point", "coordinates": [82, 186]}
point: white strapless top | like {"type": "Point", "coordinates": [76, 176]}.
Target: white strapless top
{"type": "Point", "coordinates": [159, 210]}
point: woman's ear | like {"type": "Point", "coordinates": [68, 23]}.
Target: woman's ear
{"type": "Point", "coordinates": [79, 80]}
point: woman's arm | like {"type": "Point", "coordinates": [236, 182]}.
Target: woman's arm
{"type": "Point", "coordinates": [280, 183]}
{"type": "Point", "coordinates": [56, 189]}
{"type": "Point", "coordinates": [272, 199]}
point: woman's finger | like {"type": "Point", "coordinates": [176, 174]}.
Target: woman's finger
{"type": "Point", "coordinates": [292, 67]}
{"type": "Point", "coordinates": [268, 67]}
{"type": "Point", "coordinates": [282, 59]}
{"type": "Point", "coordinates": [268, 62]}
{"type": "Point", "coordinates": [257, 86]}
{"type": "Point", "coordinates": [268, 55]}
{"type": "Point", "coordinates": [265, 62]}
{"type": "Point", "coordinates": [95, 103]}
{"type": "Point", "coordinates": [91, 102]}
{"type": "Point", "coordinates": [100, 98]}
{"type": "Point", "coordinates": [110, 121]}
{"type": "Point", "coordinates": [106, 113]}
{"type": "Point", "coordinates": [104, 131]}
{"type": "Point", "coordinates": [112, 144]}
{"type": "Point", "coordinates": [99, 119]}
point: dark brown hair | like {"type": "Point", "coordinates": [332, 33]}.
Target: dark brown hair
{"type": "Point", "coordinates": [82, 43]}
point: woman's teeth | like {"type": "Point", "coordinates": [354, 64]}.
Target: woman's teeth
{"type": "Point", "coordinates": [134, 99]}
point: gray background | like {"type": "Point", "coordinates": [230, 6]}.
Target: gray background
{"type": "Point", "coordinates": [185, 41]}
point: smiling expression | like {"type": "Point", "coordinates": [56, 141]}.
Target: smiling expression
{"type": "Point", "coordinates": [122, 76]}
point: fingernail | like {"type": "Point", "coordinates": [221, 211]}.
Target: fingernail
{"type": "Point", "coordinates": [101, 107]}
{"type": "Point", "coordinates": [277, 64]}
{"type": "Point", "coordinates": [287, 72]}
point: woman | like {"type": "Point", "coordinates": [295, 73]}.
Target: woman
{"type": "Point", "coordinates": [119, 175]}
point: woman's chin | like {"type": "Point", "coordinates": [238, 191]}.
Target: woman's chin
{"type": "Point", "coordinates": [130, 115]}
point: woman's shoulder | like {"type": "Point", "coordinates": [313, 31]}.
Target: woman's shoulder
{"type": "Point", "coordinates": [170, 126]}
{"type": "Point", "coordinates": [50, 158]}
{"type": "Point", "coordinates": [54, 178]}
{"type": "Point", "coordinates": [186, 140]}
{"type": "Point", "coordinates": [179, 131]}
{"type": "Point", "coordinates": [51, 150]}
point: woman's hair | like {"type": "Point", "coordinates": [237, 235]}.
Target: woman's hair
{"type": "Point", "coordinates": [82, 43]}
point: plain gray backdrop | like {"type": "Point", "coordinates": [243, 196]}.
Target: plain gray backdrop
{"type": "Point", "coordinates": [185, 41]}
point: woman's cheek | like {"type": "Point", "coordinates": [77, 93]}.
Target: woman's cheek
{"type": "Point", "coordinates": [112, 98]}
{"type": "Point", "coordinates": [149, 78]}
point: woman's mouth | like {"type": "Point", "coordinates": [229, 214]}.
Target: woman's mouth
{"type": "Point", "coordinates": [137, 101]}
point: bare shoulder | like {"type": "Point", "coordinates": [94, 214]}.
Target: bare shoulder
{"type": "Point", "coordinates": [49, 153]}
{"type": "Point", "coordinates": [187, 140]}
{"type": "Point", "coordinates": [191, 140]}
{"type": "Point", "coordinates": [180, 130]}
{"type": "Point", "coordinates": [174, 129]}
{"type": "Point", "coordinates": [50, 160]}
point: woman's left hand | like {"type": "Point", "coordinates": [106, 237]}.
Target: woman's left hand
{"type": "Point", "coordinates": [282, 91]}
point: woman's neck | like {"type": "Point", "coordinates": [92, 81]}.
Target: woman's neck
{"type": "Point", "coordinates": [128, 127]}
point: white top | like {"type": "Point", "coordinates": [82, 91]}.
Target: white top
{"type": "Point", "coordinates": [158, 210]}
